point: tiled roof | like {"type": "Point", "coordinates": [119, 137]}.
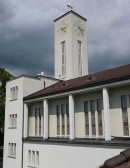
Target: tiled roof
{"type": "Point", "coordinates": [120, 161]}
{"type": "Point", "coordinates": [95, 79]}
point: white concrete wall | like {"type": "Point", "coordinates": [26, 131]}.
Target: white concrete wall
{"type": "Point", "coordinates": [71, 38]}
{"type": "Point", "coordinates": [14, 135]}
{"type": "Point", "coordinates": [48, 80]}
{"type": "Point", "coordinates": [69, 156]}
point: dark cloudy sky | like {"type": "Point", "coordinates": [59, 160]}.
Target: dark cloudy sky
{"type": "Point", "coordinates": [27, 33]}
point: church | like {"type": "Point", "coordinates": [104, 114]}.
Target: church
{"type": "Point", "coordinates": [72, 120]}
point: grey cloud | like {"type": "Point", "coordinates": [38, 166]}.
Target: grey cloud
{"type": "Point", "coordinates": [27, 35]}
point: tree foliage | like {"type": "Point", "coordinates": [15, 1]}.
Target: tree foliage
{"type": "Point", "coordinates": [4, 77]}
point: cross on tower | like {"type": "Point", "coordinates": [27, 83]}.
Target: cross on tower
{"type": "Point", "coordinates": [70, 6]}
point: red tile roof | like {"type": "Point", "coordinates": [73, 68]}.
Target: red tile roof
{"type": "Point", "coordinates": [120, 161]}
{"type": "Point", "coordinates": [95, 79]}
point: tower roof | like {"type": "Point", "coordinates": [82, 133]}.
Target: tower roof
{"type": "Point", "coordinates": [71, 11]}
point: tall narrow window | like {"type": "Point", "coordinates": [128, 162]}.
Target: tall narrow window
{"type": "Point", "coordinates": [14, 149]}
{"type": "Point", "coordinates": [40, 115]}
{"type": "Point", "coordinates": [58, 119]}
{"type": "Point", "coordinates": [125, 114]}
{"type": "Point", "coordinates": [9, 149]}
{"type": "Point", "coordinates": [33, 157]}
{"type": "Point", "coordinates": [10, 120]}
{"type": "Point", "coordinates": [86, 118]}
{"type": "Point", "coordinates": [15, 120]}
{"type": "Point", "coordinates": [99, 110]}
{"type": "Point", "coordinates": [63, 59]}
{"type": "Point", "coordinates": [92, 108]}
{"type": "Point", "coordinates": [29, 157]}
{"type": "Point", "coordinates": [36, 121]}
{"type": "Point", "coordinates": [67, 114]}
{"type": "Point", "coordinates": [80, 57]}
{"type": "Point", "coordinates": [63, 118]}
{"type": "Point", "coordinates": [37, 158]}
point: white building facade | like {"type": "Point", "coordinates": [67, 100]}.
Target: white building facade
{"type": "Point", "coordinates": [78, 122]}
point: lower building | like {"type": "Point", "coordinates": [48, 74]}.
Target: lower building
{"type": "Point", "coordinates": [75, 123]}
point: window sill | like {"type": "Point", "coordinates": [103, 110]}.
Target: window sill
{"type": "Point", "coordinates": [13, 157]}
{"type": "Point", "coordinates": [13, 100]}
{"type": "Point", "coordinates": [63, 136]}
{"type": "Point", "coordinates": [12, 127]}
{"type": "Point", "coordinates": [33, 166]}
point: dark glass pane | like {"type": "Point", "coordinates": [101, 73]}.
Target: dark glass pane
{"type": "Point", "coordinates": [86, 118]}
{"type": "Point", "coordinates": [123, 102]}
{"type": "Point", "coordinates": [58, 119]}
{"type": "Point", "coordinates": [92, 108]}
{"type": "Point", "coordinates": [63, 118]}
{"type": "Point", "coordinates": [67, 113]}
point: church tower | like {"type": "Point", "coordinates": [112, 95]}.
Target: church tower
{"type": "Point", "coordinates": [71, 59]}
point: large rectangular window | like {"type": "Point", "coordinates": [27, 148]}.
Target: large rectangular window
{"type": "Point", "coordinates": [125, 115]}
{"type": "Point", "coordinates": [93, 118]}
{"type": "Point", "coordinates": [80, 57]}
{"type": "Point", "coordinates": [62, 113]}
{"type": "Point", "coordinates": [63, 59]}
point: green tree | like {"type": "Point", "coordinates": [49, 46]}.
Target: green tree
{"type": "Point", "coordinates": [4, 77]}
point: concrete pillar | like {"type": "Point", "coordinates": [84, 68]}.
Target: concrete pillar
{"type": "Point", "coordinates": [25, 126]}
{"type": "Point", "coordinates": [71, 116]}
{"type": "Point", "coordinates": [107, 134]}
{"type": "Point", "coordinates": [45, 119]}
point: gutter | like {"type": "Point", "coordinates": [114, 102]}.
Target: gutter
{"type": "Point", "coordinates": [80, 89]}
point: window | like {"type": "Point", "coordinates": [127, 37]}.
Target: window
{"type": "Point", "coordinates": [99, 111]}
{"type": "Point", "coordinates": [92, 109]}
{"type": "Point", "coordinates": [29, 157]}
{"type": "Point", "coordinates": [58, 119]}
{"type": "Point", "coordinates": [12, 120]}
{"type": "Point", "coordinates": [125, 115]}
{"type": "Point", "coordinates": [63, 60]}
{"type": "Point", "coordinates": [63, 118]}
{"type": "Point", "coordinates": [67, 113]}
{"type": "Point", "coordinates": [62, 112]}
{"type": "Point", "coordinates": [14, 93]}
{"type": "Point", "coordinates": [80, 57]}
{"type": "Point", "coordinates": [12, 150]}
{"type": "Point", "coordinates": [86, 118]}
{"type": "Point", "coordinates": [37, 158]}
{"type": "Point", "coordinates": [38, 121]}
{"type": "Point", "coordinates": [33, 158]}
{"type": "Point", "coordinates": [93, 122]}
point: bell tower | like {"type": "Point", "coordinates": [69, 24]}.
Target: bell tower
{"type": "Point", "coordinates": [71, 59]}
